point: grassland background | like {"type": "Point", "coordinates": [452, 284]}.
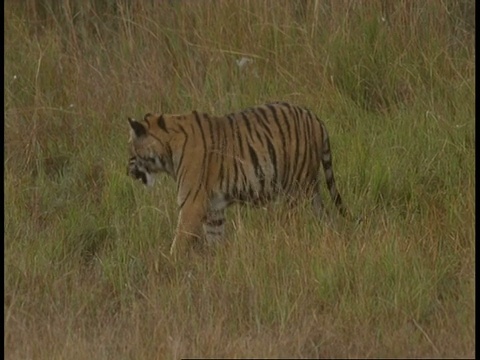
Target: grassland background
{"type": "Point", "coordinates": [86, 275]}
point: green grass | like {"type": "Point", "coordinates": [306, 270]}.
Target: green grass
{"type": "Point", "coordinates": [87, 273]}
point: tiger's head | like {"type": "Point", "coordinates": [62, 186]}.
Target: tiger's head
{"type": "Point", "coordinates": [150, 150]}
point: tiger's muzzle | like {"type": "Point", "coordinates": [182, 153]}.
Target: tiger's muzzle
{"type": "Point", "coordinates": [139, 172]}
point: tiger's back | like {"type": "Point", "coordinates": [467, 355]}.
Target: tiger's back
{"type": "Point", "coordinates": [255, 155]}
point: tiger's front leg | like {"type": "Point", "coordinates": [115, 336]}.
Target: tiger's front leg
{"type": "Point", "coordinates": [214, 226]}
{"type": "Point", "coordinates": [189, 229]}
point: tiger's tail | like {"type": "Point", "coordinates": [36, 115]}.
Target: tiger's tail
{"type": "Point", "coordinates": [329, 176]}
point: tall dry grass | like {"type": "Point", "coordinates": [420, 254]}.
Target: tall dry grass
{"type": "Point", "coordinates": [86, 274]}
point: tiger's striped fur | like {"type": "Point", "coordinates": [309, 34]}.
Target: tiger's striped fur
{"type": "Point", "coordinates": [255, 155]}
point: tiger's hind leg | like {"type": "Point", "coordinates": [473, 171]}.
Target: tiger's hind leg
{"type": "Point", "coordinates": [318, 206]}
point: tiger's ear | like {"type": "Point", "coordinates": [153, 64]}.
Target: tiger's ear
{"type": "Point", "coordinates": [150, 118]}
{"type": "Point", "coordinates": [138, 129]}
{"type": "Point", "coordinates": [161, 123]}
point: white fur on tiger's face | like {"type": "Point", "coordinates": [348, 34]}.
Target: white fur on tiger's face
{"type": "Point", "coordinates": [254, 156]}
{"type": "Point", "coordinates": [138, 169]}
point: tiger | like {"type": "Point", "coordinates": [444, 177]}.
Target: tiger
{"type": "Point", "coordinates": [252, 156]}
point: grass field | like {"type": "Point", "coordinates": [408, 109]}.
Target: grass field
{"type": "Point", "coordinates": [87, 274]}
